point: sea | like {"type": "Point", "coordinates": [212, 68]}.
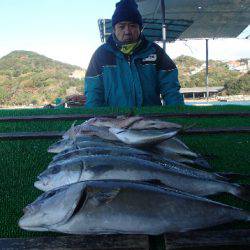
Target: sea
{"type": "Point", "coordinates": [241, 103]}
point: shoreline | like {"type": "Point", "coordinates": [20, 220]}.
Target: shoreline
{"type": "Point", "coordinates": [232, 98]}
{"type": "Point", "coordinates": [201, 101]}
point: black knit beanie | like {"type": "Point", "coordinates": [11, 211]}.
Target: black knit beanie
{"type": "Point", "coordinates": [127, 10]}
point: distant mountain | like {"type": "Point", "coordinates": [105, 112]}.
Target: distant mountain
{"type": "Point", "coordinates": [233, 75]}
{"type": "Point", "coordinates": [27, 77]}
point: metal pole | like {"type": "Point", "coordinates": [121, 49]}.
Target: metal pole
{"type": "Point", "coordinates": [104, 30]}
{"type": "Point", "coordinates": [164, 26]}
{"type": "Point", "coordinates": [207, 69]}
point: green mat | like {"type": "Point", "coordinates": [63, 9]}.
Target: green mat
{"type": "Point", "coordinates": [21, 161]}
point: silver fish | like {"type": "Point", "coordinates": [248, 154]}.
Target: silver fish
{"type": "Point", "coordinates": [176, 150]}
{"type": "Point", "coordinates": [107, 150]}
{"type": "Point", "coordinates": [85, 144]}
{"type": "Point", "coordinates": [101, 132]}
{"type": "Point", "coordinates": [118, 122]}
{"type": "Point", "coordinates": [100, 167]}
{"type": "Point", "coordinates": [142, 137]}
{"type": "Point", "coordinates": [119, 207]}
{"type": "Point", "coordinates": [64, 144]}
{"type": "Point", "coordinates": [132, 122]}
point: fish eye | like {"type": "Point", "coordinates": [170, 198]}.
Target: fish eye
{"type": "Point", "coordinates": [46, 195]}
{"type": "Point", "coordinates": [55, 169]}
{"type": "Point", "coordinates": [50, 194]}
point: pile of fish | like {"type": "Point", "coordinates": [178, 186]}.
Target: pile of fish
{"type": "Point", "coordinates": [128, 175]}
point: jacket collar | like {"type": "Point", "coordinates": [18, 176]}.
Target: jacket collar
{"type": "Point", "coordinates": [141, 49]}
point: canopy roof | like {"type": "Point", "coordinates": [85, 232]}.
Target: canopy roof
{"type": "Point", "coordinates": [211, 18]}
{"type": "Point", "coordinates": [152, 28]}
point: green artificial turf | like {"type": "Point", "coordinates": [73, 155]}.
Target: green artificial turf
{"type": "Point", "coordinates": [22, 160]}
{"type": "Point", "coordinates": [107, 110]}
{"type": "Point", "coordinates": [38, 126]}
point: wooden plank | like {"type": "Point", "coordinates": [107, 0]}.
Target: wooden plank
{"type": "Point", "coordinates": [233, 237]}
{"type": "Point", "coordinates": [30, 135]}
{"type": "Point", "coordinates": [58, 134]}
{"type": "Point", "coordinates": [217, 130]}
{"type": "Point", "coordinates": [102, 242]}
{"type": "Point", "coordinates": [88, 116]}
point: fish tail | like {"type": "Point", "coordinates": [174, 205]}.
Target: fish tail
{"type": "Point", "coordinates": [231, 176]}
{"type": "Point", "coordinates": [201, 162]}
{"type": "Point", "coordinates": [248, 217]}
{"type": "Point", "coordinates": [242, 191]}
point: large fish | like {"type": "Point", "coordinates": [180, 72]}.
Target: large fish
{"type": "Point", "coordinates": [85, 144]}
{"type": "Point", "coordinates": [123, 122]}
{"type": "Point", "coordinates": [142, 137]}
{"type": "Point", "coordinates": [118, 207]}
{"type": "Point", "coordinates": [101, 132]}
{"type": "Point", "coordinates": [64, 144]}
{"type": "Point", "coordinates": [176, 150]}
{"type": "Point", "coordinates": [131, 122]}
{"type": "Point", "coordinates": [103, 150]}
{"type": "Point", "coordinates": [100, 167]}
{"type": "Point", "coordinates": [118, 122]}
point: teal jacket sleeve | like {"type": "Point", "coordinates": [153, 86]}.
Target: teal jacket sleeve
{"type": "Point", "coordinates": [94, 92]}
{"type": "Point", "coordinates": [94, 87]}
{"type": "Point", "coordinates": [169, 85]}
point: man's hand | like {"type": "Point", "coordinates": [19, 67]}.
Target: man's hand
{"type": "Point", "coordinates": [76, 99]}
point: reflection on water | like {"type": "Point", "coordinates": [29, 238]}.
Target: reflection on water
{"type": "Point", "coordinates": [244, 103]}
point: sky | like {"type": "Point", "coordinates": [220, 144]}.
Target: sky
{"type": "Point", "coordinates": [67, 30]}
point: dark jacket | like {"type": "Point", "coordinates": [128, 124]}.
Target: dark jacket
{"type": "Point", "coordinates": [115, 80]}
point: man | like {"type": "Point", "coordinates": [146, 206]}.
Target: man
{"type": "Point", "coordinates": [128, 70]}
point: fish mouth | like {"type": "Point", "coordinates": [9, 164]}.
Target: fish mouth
{"type": "Point", "coordinates": [24, 223]}
{"type": "Point", "coordinates": [53, 149]}
{"type": "Point", "coordinates": [41, 185]}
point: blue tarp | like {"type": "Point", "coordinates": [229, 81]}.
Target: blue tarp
{"type": "Point", "coordinates": [152, 29]}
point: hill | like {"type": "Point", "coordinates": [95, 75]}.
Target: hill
{"type": "Point", "coordinates": [27, 77]}
{"type": "Point", "coordinates": [233, 75]}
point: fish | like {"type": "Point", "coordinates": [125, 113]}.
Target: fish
{"type": "Point", "coordinates": [84, 144]}
{"type": "Point", "coordinates": [101, 132]}
{"type": "Point", "coordinates": [100, 167]}
{"type": "Point", "coordinates": [132, 122]}
{"type": "Point", "coordinates": [124, 207]}
{"type": "Point", "coordinates": [148, 123]}
{"type": "Point", "coordinates": [107, 150]}
{"type": "Point", "coordinates": [176, 150]}
{"type": "Point", "coordinates": [117, 122]}
{"type": "Point", "coordinates": [142, 137]}
{"type": "Point", "coordinates": [64, 144]}
{"type": "Point", "coordinates": [100, 124]}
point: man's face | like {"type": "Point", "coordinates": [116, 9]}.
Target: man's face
{"type": "Point", "coordinates": [127, 32]}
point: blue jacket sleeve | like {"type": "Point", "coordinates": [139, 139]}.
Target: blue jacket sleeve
{"type": "Point", "coordinates": [168, 79]}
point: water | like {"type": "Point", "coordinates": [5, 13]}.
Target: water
{"type": "Point", "coordinates": [241, 103]}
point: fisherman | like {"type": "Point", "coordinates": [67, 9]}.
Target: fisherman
{"type": "Point", "coordinates": [128, 70]}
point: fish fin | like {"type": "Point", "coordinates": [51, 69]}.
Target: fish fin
{"type": "Point", "coordinates": [201, 162]}
{"type": "Point", "coordinates": [233, 176]}
{"type": "Point", "coordinates": [72, 135]}
{"type": "Point", "coordinates": [243, 192]}
{"type": "Point", "coordinates": [154, 182]}
{"type": "Point", "coordinates": [186, 127]}
{"type": "Point", "coordinates": [80, 203]}
{"type": "Point", "coordinates": [97, 197]}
